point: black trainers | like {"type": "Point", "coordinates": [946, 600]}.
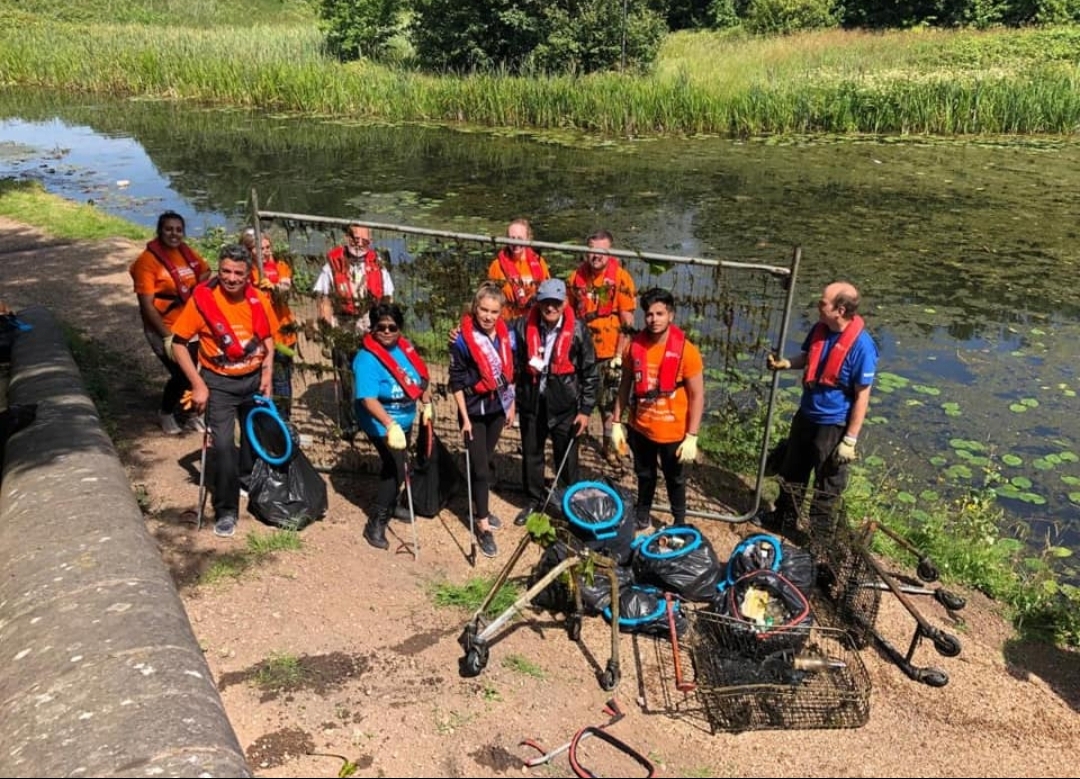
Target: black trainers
{"type": "Point", "coordinates": [642, 518]}
{"type": "Point", "coordinates": [487, 543]}
{"type": "Point", "coordinates": [525, 513]}
{"type": "Point", "coordinates": [494, 522]}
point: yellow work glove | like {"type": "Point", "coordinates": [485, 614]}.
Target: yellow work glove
{"type": "Point", "coordinates": [775, 363]}
{"type": "Point", "coordinates": [614, 368]}
{"type": "Point", "coordinates": [845, 450]}
{"type": "Point", "coordinates": [185, 400]}
{"type": "Point", "coordinates": [427, 413]}
{"type": "Point", "coordinates": [687, 451]}
{"type": "Point", "coordinates": [395, 436]}
{"type": "Point", "coordinates": [265, 283]}
{"type": "Point", "coordinates": [618, 438]}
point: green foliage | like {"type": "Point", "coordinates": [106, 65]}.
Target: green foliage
{"type": "Point", "coordinates": [280, 671]}
{"type": "Point", "coordinates": [470, 595]}
{"type": "Point", "coordinates": [27, 201]}
{"type": "Point", "coordinates": [359, 29]}
{"type": "Point", "coordinates": [160, 13]}
{"type": "Point", "coordinates": [782, 17]}
{"type": "Point", "coordinates": [524, 666]}
{"type": "Point", "coordinates": [723, 14]}
{"type": "Point", "coordinates": [578, 36]}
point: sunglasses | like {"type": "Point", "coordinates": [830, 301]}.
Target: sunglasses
{"type": "Point", "coordinates": [386, 328]}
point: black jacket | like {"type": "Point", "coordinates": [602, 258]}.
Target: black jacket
{"type": "Point", "coordinates": [567, 394]}
{"type": "Point", "coordinates": [464, 376]}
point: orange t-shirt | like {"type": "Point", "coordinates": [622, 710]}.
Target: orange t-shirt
{"type": "Point", "coordinates": [605, 329]}
{"type": "Point", "coordinates": [663, 420]}
{"type": "Point", "coordinates": [282, 311]}
{"type": "Point", "coordinates": [190, 323]}
{"type": "Point", "coordinates": [152, 278]}
{"type": "Point", "coordinates": [510, 308]}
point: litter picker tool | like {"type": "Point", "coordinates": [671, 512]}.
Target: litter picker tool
{"type": "Point", "coordinates": [472, 518]}
{"type": "Point", "coordinates": [412, 510]}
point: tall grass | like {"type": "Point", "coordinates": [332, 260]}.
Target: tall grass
{"type": "Point", "coordinates": [921, 82]}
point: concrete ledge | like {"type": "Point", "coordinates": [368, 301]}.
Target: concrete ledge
{"type": "Point", "coordinates": [100, 673]}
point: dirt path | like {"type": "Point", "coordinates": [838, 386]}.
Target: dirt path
{"type": "Point", "coordinates": [375, 674]}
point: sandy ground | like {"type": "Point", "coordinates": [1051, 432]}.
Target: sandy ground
{"type": "Point", "coordinates": [374, 678]}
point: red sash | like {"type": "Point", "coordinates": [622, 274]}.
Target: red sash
{"type": "Point", "coordinates": [560, 361]}
{"type": "Point", "coordinates": [669, 365]}
{"type": "Point", "coordinates": [343, 286]}
{"type": "Point", "coordinates": [584, 289]}
{"type": "Point", "coordinates": [223, 333]}
{"type": "Point", "coordinates": [510, 271]}
{"type": "Point", "coordinates": [488, 381]}
{"type": "Point", "coordinates": [401, 376]}
{"type": "Point", "coordinates": [183, 291]}
{"type": "Point", "coordinates": [830, 374]}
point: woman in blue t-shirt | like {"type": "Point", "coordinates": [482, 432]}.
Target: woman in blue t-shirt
{"type": "Point", "coordinates": [390, 377]}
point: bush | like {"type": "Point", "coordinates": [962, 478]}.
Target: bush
{"type": "Point", "coordinates": [723, 14]}
{"type": "Point", "coordinates": [780, 17]}
{"type": "Point", "coordinates": [594, 39]}
{"type": "Point", "coordinates": [359, 29]}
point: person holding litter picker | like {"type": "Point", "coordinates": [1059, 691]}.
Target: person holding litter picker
{"type": "Point", "coordinates": [234, 323]}
{"type": "Point", "coordinates": [391, 377]}
{"type": "Point", "coordinates": [839, 360]}
{"type": "Point", "coordinates": [482, 380]}
{"type": "Point", "coordinates": [663, 386]}
{"type": "Point", "coordinates": [557, 380]}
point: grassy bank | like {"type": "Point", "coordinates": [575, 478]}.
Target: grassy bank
{"type": "Point", "coordinates": [28, 202]}
{"type": "Point", "coordinates": [921, 82]}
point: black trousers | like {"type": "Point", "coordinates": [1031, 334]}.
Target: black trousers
{"type": "Point", "coordinates": [231, 400]}
{"type": "Point", "coordinates": [534, 434]}
{"type": "Point", "coordinates": [178, 383]}
{"type": "Point", "coordinates": [811, 448]}
{"type": "Point", "coordinates": [486, 431]}
{"type": "Point", "coordinates": [647, 453]}
{"type": "Point", "coordinates": [391, 475]}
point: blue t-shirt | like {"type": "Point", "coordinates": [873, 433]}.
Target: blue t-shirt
{"type": "Point", "coordinates": [373, 380]}
{"type": "Point", "coordinates": [831, 405]}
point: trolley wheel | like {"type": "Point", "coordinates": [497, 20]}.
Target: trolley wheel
{"type": "Point", "coordinates": [932, 677]}
{"type": "Point", "coordinates": [947, 645]}
{"type": "Point", "coordinates": [573, 627]}
{"type": "Point", "coordinates": [474, 661]}
{"type": "Point", "coordinates": [949, 600]}
{"type": "Point", "coordinates": [609, 679]}
{"type": "Point", "coordinates": [927, 571]}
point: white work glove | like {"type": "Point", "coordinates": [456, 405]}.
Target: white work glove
{"type": "Point", "coordinates": [618, 438]}
{"type": "Point", "coordinates": [687, 451]}
{"type": "Point", "coordinates": [845, 450]}
{"type": "Point", "coordinates": [775, 363]}
{"type": "Point", "coordinates": [427, 413]}
{"type": "Point", "coordinates": [614, 368]}
{"type": "Point", "coordinates": [167, 343]}
{"type": "Point", "coordinates": [395, 436]}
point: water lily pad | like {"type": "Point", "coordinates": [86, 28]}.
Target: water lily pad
{"type": "Point", "coordinates": [878, 420]}
{"type": "Point", "coordinates": [1054, 458]}
{"type": "Point", "coordinates": [1033, 498]}
{"type": "Point", "coordinates": [1071, 480]}
{"type": "Point", "coordinates": [1069, 393]}
{"type": "Point", "coordinates": [958, 472]}
{"type": "Point", "coordinates": [929, 310]}
{"type": "Point", "coordinates": [1069, 457]}
{"type": "Point", "coordinates": [1023, 482]}
{"type": "Point", "coordinates": [1037, 331]}
{"type": "Point", "coordinates": [937, 460]}
{"type": "Point", "coordinates": [1075, 497]}
{"type": "Point", "coordinates": [1012, 459]}
{"type": "Point", "coordinates": [913, 402]}
{"type": "Point", "coordinates": [874, 461]}
{"type": "Point", "coordinates": [894, 379]}
{"type": "Point", "coordinates": [925, 390]}
{"type": "Point", "coordinates": [930, 496]}
{"type": "Point", "coordinates": [906, 497]}
{"type": "Point", "coordinates": [1018, 408]}
{"type": "Point", "coordinates": [1008, 491]}
{"type": "Point", "coordinates": [964, 454]}
{"type": "Point", "coordinates": [1042, 464]}
{"type": "Point", "coordinates": [1030, 402]}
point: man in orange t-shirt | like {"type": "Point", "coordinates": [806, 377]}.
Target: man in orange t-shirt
{"type": "Point", "coordinates": [519, 270]}
{"type": "Point", "coordinates": [663, 386]}
{"type": "Point", "coordinates": [164, 275]}
{"type": "Point", "coordinates": [602, 295]}
{"type": "Point", "coordinates": [234, 323]}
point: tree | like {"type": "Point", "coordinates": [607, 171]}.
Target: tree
{"type": "Point", "coordinates": [358, 29]}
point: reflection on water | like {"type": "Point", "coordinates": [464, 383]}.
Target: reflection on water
{"type": "Point", "coordinates": [964, 252]}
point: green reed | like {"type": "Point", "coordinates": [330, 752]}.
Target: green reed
{"type": "Point", "coordinates": [940, 83]}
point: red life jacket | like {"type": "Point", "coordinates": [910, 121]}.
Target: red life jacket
{"type": "Point", "coordinates": [669, 365]}
{"type": "Point", "coordinates": [401, 376]}
{"type": "Point", "coordinates": [223, 333]}
{"type": "Point", "coordinates": [183, 291]}
{"type": "Point", "coordinates": [510, 271]}
{"type": "Point", "coordinates": [830, 374]}
{"type": "Point", "coordinates": [270, 271]}
{"type": "Point", "coordinates": [584, 289]}
{"type": "Point", "coordinates": [343, 285]}
{"type": "Point", "coordinates": [488, 381]}
{"type": "Point", "coordinates": [559, 363]}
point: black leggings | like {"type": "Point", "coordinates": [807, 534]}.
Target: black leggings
{"type": "Point", "coordinates": [646, 454]}
{"type": "Point", "coordinates": [177, 384]}
{"type": "Point", "coordinates": [485, 437]}
{"type": "Point", "coordinates": [391, 475]}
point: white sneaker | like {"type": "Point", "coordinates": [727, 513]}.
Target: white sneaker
{"type": "Point", "coordinates": [169, 425]}
{"type": "Point", "coordinates": [195, 423]}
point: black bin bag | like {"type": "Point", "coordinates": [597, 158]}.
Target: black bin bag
{"type": "Point", "coordinates": [435, 476]}
{"type": "Point", "coordinates": [681, 560]}
{"type": "Point", "coordinates": [290, 496]}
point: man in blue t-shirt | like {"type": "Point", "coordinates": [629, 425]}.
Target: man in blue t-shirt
{"type": "Point", "coordinates": [838, 360]}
